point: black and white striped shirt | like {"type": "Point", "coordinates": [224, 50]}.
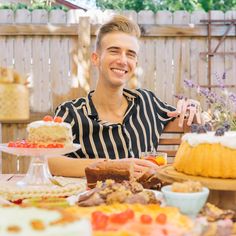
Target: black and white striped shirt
{"type": "Point", "coordinates": [142, 125]}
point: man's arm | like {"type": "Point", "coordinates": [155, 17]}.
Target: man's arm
{"type": "Point", "coordinates": [73, 167]}
{"type": "Point", "coordinates": [69, 167]}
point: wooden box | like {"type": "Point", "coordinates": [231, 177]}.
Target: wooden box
{"type": "Point", "coordinates": [14, 102]}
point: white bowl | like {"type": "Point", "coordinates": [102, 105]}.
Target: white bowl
{"type": "Point", "coordinates": [188, 203]}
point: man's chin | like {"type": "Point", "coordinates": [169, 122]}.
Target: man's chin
{"type": "Point", "coordinates": [119, 82]}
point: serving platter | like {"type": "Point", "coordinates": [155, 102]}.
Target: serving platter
{"type": "Point", "coordinates": [38, 173]}
{"type": "Point", "coordinates": [168, 174]}
{"type": "Point", "coordinates": [222, 191]}
{"type": "Point", "coordinates": [38, 151]}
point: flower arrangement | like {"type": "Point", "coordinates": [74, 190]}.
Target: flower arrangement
{"type": "Point", "coordinates": [222, 105]}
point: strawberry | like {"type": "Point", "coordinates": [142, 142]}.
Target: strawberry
{"type": "Point", "coordinates": [11, 144]}
{"type": "Point", "coordinates": [146, 219]}
{"type": "Point", "coordinates": [58, 119]}
{"type": "Point", "coordinates": [161, 219]}
{"type": "Point", "coordinates": [47, 118]}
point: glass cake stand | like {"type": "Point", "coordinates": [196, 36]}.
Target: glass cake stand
{"type": "Point", "coordinates": [38, 173]}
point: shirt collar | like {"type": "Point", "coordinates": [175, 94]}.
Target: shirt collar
{"type": "Point", "coordinates": [92, 112]}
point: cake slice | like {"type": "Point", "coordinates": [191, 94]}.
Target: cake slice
{"type": "Point", "coordinates": [50, 131]}
{"type": "Point", "coordinates": [103, 170]}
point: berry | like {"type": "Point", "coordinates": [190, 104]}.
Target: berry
{"type": "Point", "coordinates": [146, 219]}
{"type": "Point", "coordinates": [58, 119]}
{"type": "Point", "coordinates": [208, 127]}
{"type": "Point", "coordinates": [42, 146]}
{"type": "Point", "coordinates": [226, 125]}
{"type": "Point", "coordinates": [11, 144]}
{"type": "Point", "coordinates": [194, 128]}
{"type": "Point", "coordinates": [129, 213]}
{"type": "Point", "coordinates": [99, 220]}
{"type": "Point", "coordinates": [59, 145]}
{"type": "Point", "coordinates": [119, 218]}
{"type": "Point", "coordinates": [50, 145]}
{"type": "Point", "coordinates": [201, 129]}
{"type": "Point", "coordinates": [220, 132]}
{"type": "Point", "coordinates": [161, 219]}
{"type": "Point", "coordinates": [47, 118]}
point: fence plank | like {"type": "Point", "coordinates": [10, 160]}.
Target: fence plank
{"type": "Point", "coordinates": [74, 15]}
{"type": "Point", "coordinates": [147, 30]}
{"type": "Point", "coordinates": [39, 16]}
{"type": "Point", "coordinates": [218, 61]}
{"type": "Point", "coordinates": [22, 46]}
{"type": "Point", "coordinates": [41, 100]}
{"type": "Point", "coordinates": [198, 72]}
{"type": "Point", "coordinates": [57, 17]}
{"type": "Point", "coordinates": [164, 67]}
{"type": "Point", "coordinates": [6, 16]}
{"type": "Point", "coordinates": [230, 60]}
{"type": "Point", "coordinates": [22, 16]}
{"type": "Point", "coordinates": [181, 54]}
{"type": "Point", "coordinates": [83, 67]}
{"type": "Point", "coordinates": [6, 42]}
{"type": "Point", "coordinates": [147, 62]}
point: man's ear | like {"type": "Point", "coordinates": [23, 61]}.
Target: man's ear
{"type": "Point", "coordinates": [95, 58]}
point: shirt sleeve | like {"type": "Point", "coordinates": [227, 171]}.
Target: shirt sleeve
{"type": "Point", "coordinates": [161, 109]}
{"type": "Point", "coordinates": [66, 114]}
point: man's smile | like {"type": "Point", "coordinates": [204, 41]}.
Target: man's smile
{"type": "Point", "coordinates": [119, 71]}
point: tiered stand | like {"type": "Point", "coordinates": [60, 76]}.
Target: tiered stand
{"type": "Point", "coordinates": [38, 173]}
{"type": "Point", "coordinates": [222, 191]}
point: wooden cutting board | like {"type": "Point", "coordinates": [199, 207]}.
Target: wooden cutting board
{"type": "Point", "coordinates": [168, 174]}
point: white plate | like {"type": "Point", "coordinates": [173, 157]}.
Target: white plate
{"type": "Point", "coordinates": [75, 198]}
{"type": "Point", "coordinates": [38, 151]}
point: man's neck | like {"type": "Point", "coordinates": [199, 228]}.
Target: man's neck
{"type": "Point", "coordinates": [110, 104]}
{"type": "Point", "coordinates": [110, 99]}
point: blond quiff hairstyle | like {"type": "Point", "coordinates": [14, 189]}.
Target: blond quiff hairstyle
{"type": "Point", "coordinates": [118, 23]}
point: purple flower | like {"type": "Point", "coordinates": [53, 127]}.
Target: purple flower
{"type": "Point", "coordinates": [232, 96]}
{"type": "Point", "coordinates": [222, 102]}
{"type": "Point", "coordinates": [189, 83]}
{"type": "Point", "coordinates": [179, 96]}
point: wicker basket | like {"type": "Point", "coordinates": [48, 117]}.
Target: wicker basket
{"type": "Point", "coordinates": [14, 102]}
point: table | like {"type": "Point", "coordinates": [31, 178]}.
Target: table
{"type": "Point", "coordinates": [222, 191]}
{"type": "Point", "coordinates": [11, 177]}
{"type": "Point", "coordinates": [12, 188]}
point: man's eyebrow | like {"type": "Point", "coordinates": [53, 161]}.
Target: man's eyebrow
{"type": "Point", "coordinates": [112, 47]}
{"type": "Point", "coordinates": [117, 48]}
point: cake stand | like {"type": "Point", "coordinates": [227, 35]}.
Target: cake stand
{"type": "Point", "coordinates": [38, 173]}
{"type": "Point", "coordinates": [222, 191]}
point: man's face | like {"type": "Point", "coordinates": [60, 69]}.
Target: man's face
{"type": "Point", "coordinates": [116, 58]}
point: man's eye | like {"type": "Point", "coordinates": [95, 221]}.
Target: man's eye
{"type": "Point", "coordinates": [131, 55]}
{"type": "Point", "coordinates": [113, 51]}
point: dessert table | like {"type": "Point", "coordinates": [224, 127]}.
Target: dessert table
{"type": "Point", "coordinates": [13, 178]}
{"type": "Point", "coordinates": [222, 191]}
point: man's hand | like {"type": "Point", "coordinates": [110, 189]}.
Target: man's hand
{"type": "Point", "coordinates": [187, 108]}
{"type": "Point", "coordinates": [139, 166]}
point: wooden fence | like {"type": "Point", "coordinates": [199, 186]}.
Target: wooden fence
{"type": "Point", "coordinates": [53, 49]}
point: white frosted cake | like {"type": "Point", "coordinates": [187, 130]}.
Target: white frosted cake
{"type": "Point", "coordinates": [207, 154]}
{"type": "Point", "coordinates": [31, 221]}
{"type": "Point", "coordinates": [50, 131]}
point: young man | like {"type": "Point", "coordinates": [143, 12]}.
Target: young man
{"type": "Point", "coordinates": [113, 122]}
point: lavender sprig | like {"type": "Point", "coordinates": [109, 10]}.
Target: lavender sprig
{"type": "Point", "coordinates": [223, 104]}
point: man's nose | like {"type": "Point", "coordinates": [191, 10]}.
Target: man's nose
{"type": "Point", "coordinates": [123, 58]}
